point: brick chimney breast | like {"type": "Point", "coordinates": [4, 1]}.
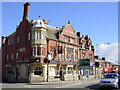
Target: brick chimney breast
{"type": "Point", "coordinates": [26, 11]}
{"type": "Point", "coordinates": [3, 41]}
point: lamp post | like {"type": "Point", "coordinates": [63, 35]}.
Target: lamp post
{"type": "Point", "coordinates": [49, 57]}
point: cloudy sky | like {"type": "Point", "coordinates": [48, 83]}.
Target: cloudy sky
{"type": "Point", "coordinates": [109, 51]}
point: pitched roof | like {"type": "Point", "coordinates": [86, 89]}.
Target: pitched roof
{"type": "Point", "coordinates": [52, 32]}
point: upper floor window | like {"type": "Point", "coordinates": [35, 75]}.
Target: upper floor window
{"type": "Point", "coordinates": [17, 39]}
{"type": "Point", "coordinates": [38, 35]}
{"type": "Point", "coordinates": [38, 50]}
{"type": "Point", "coordinates": [17, 55]}
{"type": "Point", "coordinates": [72, 40]}
{"type": "Point", "coordinates": [76, 56]}
{"type": "Point", "coordinates": [43, 50]}
{"type": "Point", "coordinates": [33, 51]}
{"type": "Point", "coordinates": [12, 56]}
{"type": "Point", "coordinates": [28, 35]}
{"type": "Point", "coordinates": [69, 55]}
{"type": "Point", "coordinates": [52, 52]}
{"type": "Point", "coordinates": [10, 41]}
{"type": "Point", "coordinates": [66, 39]}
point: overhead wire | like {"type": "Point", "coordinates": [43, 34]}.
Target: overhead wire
{"type": "Point", "coordinates": [73, 10]}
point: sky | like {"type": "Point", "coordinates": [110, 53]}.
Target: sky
{"type": "Point", "coordinates": [98, 20]}
{"type": "Point", "coordinates": [109, 51]}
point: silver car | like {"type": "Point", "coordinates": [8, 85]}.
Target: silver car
{"type": "Point", "coordinates": [110, 80]}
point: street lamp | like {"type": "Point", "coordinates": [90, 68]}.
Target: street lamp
{"type": "Point", "coordinates": [49, 57]}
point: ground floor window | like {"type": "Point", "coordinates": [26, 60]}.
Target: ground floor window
{"type": "Point", "coordinates": [38, 71]}
{"type": "Point", "coordinates": [69, 71]}
{"type": "Point", "coordinates": [9, 70]}
{"type": "Point", "coordinates": [91, 71]}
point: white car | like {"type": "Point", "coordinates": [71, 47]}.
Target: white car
{"type": "Point", "coordinates": [110, 80]}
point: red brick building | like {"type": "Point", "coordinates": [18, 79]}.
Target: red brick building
{"type": "Point", "coordinates": [25, 52]}
{"type": "Point", "coordinates": [103, 67]}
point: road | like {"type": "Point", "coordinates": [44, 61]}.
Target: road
{"type": "Point", "coordinates": [89, 85]}
{"type": "Point", "coordinates": [80, 84]}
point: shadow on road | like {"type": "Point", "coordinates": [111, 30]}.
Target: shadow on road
{"type": "Point", "coordinates": [96, 87]}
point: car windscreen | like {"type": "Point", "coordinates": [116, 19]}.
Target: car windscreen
{"type": "Point", "coordinates": [110, 76]}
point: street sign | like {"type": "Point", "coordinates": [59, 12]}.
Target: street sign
{"type": "Point", "coordinates": [84, 62]}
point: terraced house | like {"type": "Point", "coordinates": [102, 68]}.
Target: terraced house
{"type": "Point", "coordinates": [39, 52]}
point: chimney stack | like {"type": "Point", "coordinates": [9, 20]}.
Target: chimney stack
{"type": "Point", "coordinates": [26, 11]}
{"type": "Point", "coordinates": [45, 21]}
{"type": "Point", "coordinates": [86, 37]}
{"type": "Point", "coordinates": [78, 34]}
{"type": "Point", "coordinates": [68, 22]}
{"type": "Point", "coordinates": [3, 40]}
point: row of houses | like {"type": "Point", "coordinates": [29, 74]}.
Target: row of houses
{"type": "Point", "coordinates": [103, 67]}
{"type": "Point", "coordinates": [38, 52]}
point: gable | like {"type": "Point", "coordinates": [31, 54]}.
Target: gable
{"type": "Point", "coordinates": [69, 31]}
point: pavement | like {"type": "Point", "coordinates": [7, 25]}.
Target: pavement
{"type": "Point", "coordinates": [66, 82]}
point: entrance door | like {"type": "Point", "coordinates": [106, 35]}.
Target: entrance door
{"type": "Point", "coordinates": [52, 71]}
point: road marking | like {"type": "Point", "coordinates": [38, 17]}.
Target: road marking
{"type": "Point", "coordinates": [68, 85]}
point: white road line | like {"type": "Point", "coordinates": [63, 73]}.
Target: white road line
{"type": "Point", "coordinates": [68, 85]}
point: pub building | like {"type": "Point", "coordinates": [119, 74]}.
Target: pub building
{"type": "Point", "coordinates": [36, 52]}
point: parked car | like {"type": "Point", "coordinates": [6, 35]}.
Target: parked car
{"type": "Point", "coordinates": [110, 80]}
